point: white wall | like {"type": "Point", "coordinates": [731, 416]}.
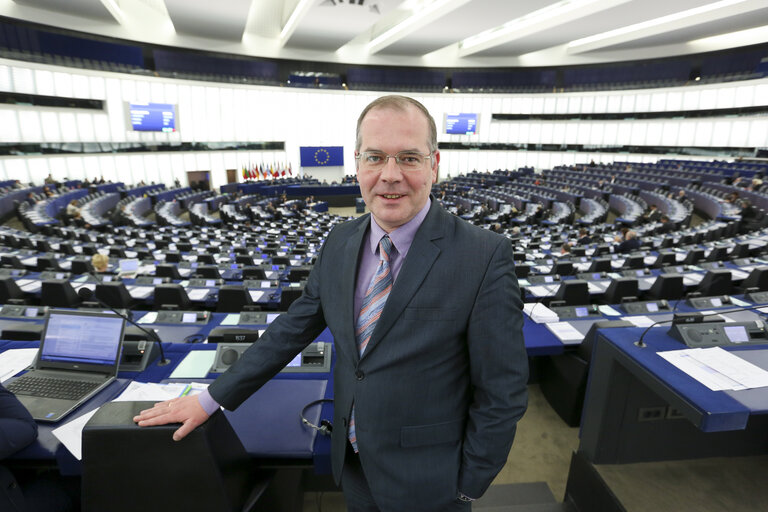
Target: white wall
{"type": "Point", "coordinates": [212, 112]}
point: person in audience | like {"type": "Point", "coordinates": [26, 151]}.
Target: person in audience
{"type": "Point", "coordinates": [73, 210]}
{"type": "Point", "coordinates": [584, 238]}
{"type": "Point", "coordinates": [652, 215]}
{"type": "Point", "coordinates": [393, 448]}
{"type": "Point", "coordinates": [681, 196]}
{"type": "Point", "coordinates": [119, 217]}
{"type": "Point", "coordinates": [565, 250]}
{"type": "Point", "coordinates": [100, 262]}
{"type": "Point", "coordinates": [31, 199]}
{"type": "Point", "coordinates": [49, 180]}
{"type": "Point", "coordinates": [749, 219]}
{"type": "Point", "coordinates": [28, 490]}
{"type": "Point", "coordinates": [629, 243]}
{"type": "Point", "coordinates": [666, 227]}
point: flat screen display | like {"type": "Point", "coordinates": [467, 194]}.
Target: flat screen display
{"type": "Point", "coordinates": [461, 124]}
{"type": "Point", "coordinates": [152, 117]}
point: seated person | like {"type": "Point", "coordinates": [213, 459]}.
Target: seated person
{"type": "Point", "coordinates": [73, 210]}
{"type": "Point", "coordinates": [565, 250]}
{"type": "Point", "coordinates": [100, 262]}
{"type": "Point", "coordinates": [667, 226]}
{"type": "Point", "coordinates": [30, 490]}
{"type": "Point", "coordinates": [652, 215]}
{"type": "Point", "coordinates": [584, 238]}
{"type": "Point", "coordinates": [629, 244]}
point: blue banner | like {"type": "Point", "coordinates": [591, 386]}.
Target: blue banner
{"type": "Point", "coordinates": [322, 156]}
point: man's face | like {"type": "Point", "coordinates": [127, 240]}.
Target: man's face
{"type": "Point", "coordinates": [395, 196]}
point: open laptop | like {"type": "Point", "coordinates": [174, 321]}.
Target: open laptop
{"type": "Point", "coordinates": [129, 268]}
{"type": "Point", "coordinates": [78, 357]}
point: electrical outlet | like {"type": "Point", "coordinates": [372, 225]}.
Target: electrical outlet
{"type": "Point", "coordinates": [651, 413]}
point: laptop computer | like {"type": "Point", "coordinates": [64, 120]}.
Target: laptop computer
{"type": "Point", "coordinates": [78, 357]}
{"type": "Point", "coordinates": [129, 268]}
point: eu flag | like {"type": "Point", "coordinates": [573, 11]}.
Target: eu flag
{"type": "Point", "coordinates": [322, 156]}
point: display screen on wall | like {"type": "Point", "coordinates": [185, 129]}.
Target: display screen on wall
{"type": "Point", "coordinates": [152, 117]}
{"type": "Point", "coordinates": [462, 124]}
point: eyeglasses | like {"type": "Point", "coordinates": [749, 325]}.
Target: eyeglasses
{"type": "Point", "coordinates": [406, 160]}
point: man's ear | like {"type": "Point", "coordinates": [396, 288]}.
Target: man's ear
{"type": "Point", "coordinates": [435, 166]}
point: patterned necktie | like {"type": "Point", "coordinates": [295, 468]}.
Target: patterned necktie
{"type": "Point", "coordinates": [370, 311]}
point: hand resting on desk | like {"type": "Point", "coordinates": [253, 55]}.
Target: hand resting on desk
{"type": "Point", "coordinates": [185, 409]}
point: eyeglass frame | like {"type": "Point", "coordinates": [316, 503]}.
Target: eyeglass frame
{"type": "Point", "coordinates": [387, 156]}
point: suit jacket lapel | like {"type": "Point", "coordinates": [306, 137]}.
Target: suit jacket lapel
{"type": "Point", "coordinates": [348, 268]}
{"type": "Point", "coordinates": [421, 256]}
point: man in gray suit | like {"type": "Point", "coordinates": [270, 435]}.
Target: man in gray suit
{"type": "Point", "coordinates": [431, 369]}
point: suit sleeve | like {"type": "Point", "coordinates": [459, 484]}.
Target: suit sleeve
{"type": "Point", "coordinates": [285, 337]}
{"type": "Point", "coordinates": [499, 374]}
{"type": "Point", "coordinates": [17, 428]}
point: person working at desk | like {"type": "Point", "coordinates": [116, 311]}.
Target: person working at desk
{"type": "Point", "coordinates": [100, 262]}
{"type": "Point", "coordinates": [35, 491]}
{"type": "Point", "coordinates": [431, 370]}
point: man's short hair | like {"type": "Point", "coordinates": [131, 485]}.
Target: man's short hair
{"type": "Point", "coordinates": [665, 218]}
{"type": "Point", "coordinates": [401, 103]}
{"type": "Point", "coordinates": [100, 261]}
{"type": "Point", "coordinates": [631, 234]}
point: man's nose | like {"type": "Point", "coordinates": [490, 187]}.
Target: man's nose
{"type": "Point", "coordinates": [391, 170]}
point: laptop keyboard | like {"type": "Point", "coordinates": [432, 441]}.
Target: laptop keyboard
{"type": "Point", "coordinates": [52, 388]}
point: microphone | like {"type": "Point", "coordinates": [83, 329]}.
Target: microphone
{"type": "Point", "coordinates": [87, 294]}
{"type": "Point", "coordinates": [691, 319]}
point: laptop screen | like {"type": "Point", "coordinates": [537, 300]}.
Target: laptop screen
{"type": "Point", "coordinates": [90, 339]}
{"type": "Point", "coordinates": [130, 265]}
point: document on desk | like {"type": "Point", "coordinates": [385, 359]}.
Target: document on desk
{"type": "Point", "coordinates": [140, 292]}
{"type": "Point", "coordinates": [149, 318]}
{"type": "Point", "coordinates": [540, 313]}
{"type": "Point", "coordinates": [29, 285]}
{"type": "Point", "coordinates": [608, 310]}
{"type": "Point", "coordinates": [231, 319]}
{"type": "Point", "coordinates": [539, 291]}
{"type": "Point", "coordinates": [15, 360]}
{"type": "Point", "coordinates": [198, 293]}
{"type": "Point", "coordinates": [565, 332]}
{"type": "Point", "coordinates": [717, 369]}
{"type": "Point", "coordinates": [639, 320]}
{"type": "Point", "coordinates": [256, 295]}
{"type": "Point", "coordinates": [195, 365]}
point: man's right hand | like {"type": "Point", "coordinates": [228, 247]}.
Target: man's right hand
{"type": "Point", "coordinates": [186, 410]}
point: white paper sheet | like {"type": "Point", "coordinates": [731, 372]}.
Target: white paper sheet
{"type": "Point", "coordinates": [565, 332]}
{"type": "Point", "coordinates": [15, 360]}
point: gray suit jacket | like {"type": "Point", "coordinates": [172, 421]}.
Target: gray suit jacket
{"type": "Point", "coordinates": [442, 383]}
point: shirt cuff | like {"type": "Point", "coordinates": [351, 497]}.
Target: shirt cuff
{"type": "Point", "coordinates": [207, 402]}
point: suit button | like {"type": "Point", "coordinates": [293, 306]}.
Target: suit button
{"type": "Point", "coordinates": [360, 375]}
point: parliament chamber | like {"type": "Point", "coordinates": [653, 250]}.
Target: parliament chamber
{"type": "Point", "coordinates": [190, 190]}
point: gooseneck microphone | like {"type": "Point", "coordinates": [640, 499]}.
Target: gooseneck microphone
{"type": "Point", "coordinates": [87, 294]}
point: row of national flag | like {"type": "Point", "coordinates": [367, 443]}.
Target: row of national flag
{"type": "Point", "coordinates": [263, 171]}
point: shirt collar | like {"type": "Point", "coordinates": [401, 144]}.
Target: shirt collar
{"type": "Point", "coordinates": [401, 236]}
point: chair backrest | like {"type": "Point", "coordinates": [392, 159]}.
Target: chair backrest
{"type": "Point", "coordinates": [233, 299]}
{"type": "Point", "coordinates": [296, 274]}
{"type": "Point", "coordinates": [288, 295]}
{"type": "Point", "coordinates": [600, 265]}
{"type": "Point", "coordinates": [254, 273]}
{"type": "Point", "coordinates": [716, 282]}
{"type": "Point", "coordinates": [620, 288]}
{"type": "Point", "coordinates": [573, 292]}
{"type": "Point", "coordinates": [758, 278]}
{"type": "Point", "coordinates": [172, 295]}
{"type": "Point", "coordinates": [693, 256]}
{"type": "Point", "coordinates": [81, 267]}
{"type": "Point", "coordinates": [634, 261]}
{"type": "Point", "coordinates": [167, 270]}
{"type": "Point", "coordinates": [563, 268]}
{"type": "Point", "coordinates": [281, 260]}
{"type": "Point", "coordinates": [667, 286]}
{"type": "Point", "coordinates": [522, 270]}
{"type": "Point", "coordinates": [58, 293]}
{"type": "Point", "coordinates": [208, 272]}
{"type": "Point", "coordinates": [114, 294]}
{"type": "Point", "coordinates": [206, 258]}
{"type": "Point", "coordinates": [47, 263]}
{"type": "Point", "coordinates": [9, 290]}
{"type": "Point", "coordinates": [173, 256]}
{"type": "Point", "coordinates": [717, 254]}
{"type": "Point", "coordinates": [664, 259]}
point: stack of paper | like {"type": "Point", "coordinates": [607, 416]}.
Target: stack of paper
{"type": "Point", "coordinates": [540, 313]}
{"type": "Point", "coordinates": [717, 369]}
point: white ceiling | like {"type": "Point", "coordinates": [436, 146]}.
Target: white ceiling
{"type": "Point", "coordinates": [439, 33]}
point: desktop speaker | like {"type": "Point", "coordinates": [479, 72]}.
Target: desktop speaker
{"type": "Point", "coordinates": [227, 354]}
